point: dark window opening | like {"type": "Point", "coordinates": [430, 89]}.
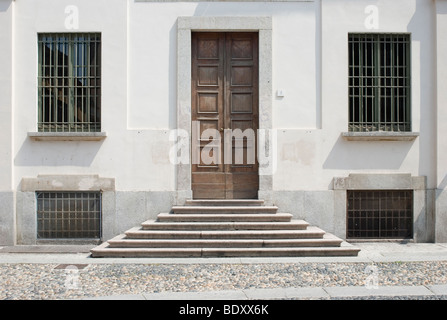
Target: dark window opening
{"type": "Point", "coordinates": [379, 82]}
{"type": "Point", "coordinates": [380, 214]}
{"type": "Point", "coordinates": [68, 215]}
{"type": "Point", "coordinates": [69, 82]}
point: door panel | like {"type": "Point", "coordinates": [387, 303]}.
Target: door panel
{"type": "Point", "coordinates": [241, 94]}
{"type": "Point", "coordinates": [224, 99]}
{"type": "Point", "coordinates": [208, 51]}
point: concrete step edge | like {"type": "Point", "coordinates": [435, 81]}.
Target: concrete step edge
{"type": "Point", "coordinates": [225, 225]}
{"type": "Point", "coordinates": [224, 209]}
{"type": "Point", "coordinates": [279, 217]}
{"type": "Point", "coordinates": [222, 252]}
{"type": "Point", "coordinates": [231, 243]}
{"type": "Point", "coordinates": [216, 234]}
{"type": "Point", "coordinates": [229, 202]}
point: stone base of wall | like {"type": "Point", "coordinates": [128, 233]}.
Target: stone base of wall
{"type": "Point", "coordinates": [327, 209]}
{"type": "Point", "coordinates": [7, 219]}
{"type": "Point", "coordinates": [122, 210]}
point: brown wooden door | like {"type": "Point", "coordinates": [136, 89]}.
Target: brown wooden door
{"type": "Point", "coordinates": [224, 99]}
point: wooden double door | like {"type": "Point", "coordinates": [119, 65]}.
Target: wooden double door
{"type": "Point", "coordinates": [224, 115]}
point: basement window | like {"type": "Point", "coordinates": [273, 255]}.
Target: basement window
{"type": "Point", "coordinates": [68, 215]}
{"type": "Point", "coordinates": [379, 82]}
{"type": "Point", "coordinates": [384, 214]}
{"type": "Point", "coordinates": [69, 82]}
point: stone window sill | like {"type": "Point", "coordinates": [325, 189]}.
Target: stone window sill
{"type": "Point", "coordinates": [67, 136]}
{"type": "Point", "coordinates": [380, 136]}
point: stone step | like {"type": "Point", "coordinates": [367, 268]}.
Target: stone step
{"type": "Point", "coordinates": [310, 232]}
{"type": "Point", "coordinates": [105, 250]}
{"type": "Point", "coordinates": [245, 217]}
{"type": "Point", "coordinates": [292, 225]}
{"type": "Point", "coordinates": [231, 203]}
{"type": "Point", "coordinates": [224, 209]}
{"type": "Point", "coordinates": [224, 228]}
{"type": "Point", "coordinates": [122, 241]}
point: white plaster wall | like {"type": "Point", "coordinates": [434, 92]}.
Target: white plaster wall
{"type": "Point", "coordinates": [139, 83]}
{"type": "Point", "coordinates": [309, 159]}
{"type": "Point", "coordinates": [7, 208]}
{"type": "Point", "coordinates": [441, 92]}
{"type": "Point", "coordinates": [6, 33]}
{"type": "Point", "coordinates": [441, 193]}
{"type": "Point", "coordinates": [136, 159]}
{"type": "Point", "coordinates": [152, 59]}
{"type": "Point", "coordinates": [139, 90]}
{"type": "Point", "coordinates": [139, 102]}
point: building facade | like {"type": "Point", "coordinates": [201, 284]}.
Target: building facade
{"type": "Point", "coordinates": [100, 102]}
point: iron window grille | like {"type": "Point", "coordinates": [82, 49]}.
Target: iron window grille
{"type": "Point", "coordinates": [69, 82]}
{"type": "Point", "coordinates": [379, 82]}
{"type": "Point", "coordinates": [68, 215]}
{"type": "Point", "coordinates": [380, 214]}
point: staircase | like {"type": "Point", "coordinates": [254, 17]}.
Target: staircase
{"type": "Point", "coordinates": [224, 228]}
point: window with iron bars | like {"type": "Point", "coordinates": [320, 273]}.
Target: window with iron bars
{"type": "Point", "coordinates": [380, 214]}
{"type": "Point", "coordinates": [69, 82]}
{"type": "Point", "coordinates": [68, 215]}
{"type": "Point", "coordinates": [379, 82]}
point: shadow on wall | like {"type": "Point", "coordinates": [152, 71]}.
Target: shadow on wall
{"type": "Point", "coordinates": [172, 78]}
{"type": "Point", "coordinates": [427, 87]}
{"type": "Point", "coordinates": [57, 153]}
{"type": "Point", "coordinates": [352, 155]}
{"type": "Point", "coordinates": [4, 5]}
{"type": "Point", "coordinates": [443, 184]}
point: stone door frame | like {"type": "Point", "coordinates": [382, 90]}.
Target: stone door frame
{"type": "Point", "coordinates": [185, 25]}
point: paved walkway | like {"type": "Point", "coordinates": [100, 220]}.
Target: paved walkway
{"type": "Point", "coordinates": [433, 292]}
{"type": "Point", "coordinates": [380, 271]}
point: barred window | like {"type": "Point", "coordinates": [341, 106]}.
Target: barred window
{"type": "Point", "coordinates": [69, 82]}
{"type": "Point", "coordinates": [380, 214]}
{"type": "Point", "coordinates": [379, 82]}
{"type": "Point", "coordinates": [68, 215]}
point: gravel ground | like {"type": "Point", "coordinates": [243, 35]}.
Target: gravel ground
{"type": "Point", "coordinates": [52, 281]}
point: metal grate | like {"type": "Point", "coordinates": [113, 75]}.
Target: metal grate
{"type": "Point", "coordinates": [69, 82]}
{"type": "Point", "coordinates": [380, 214]}
{"type": "Point", "coordinates": [68, 215]}
{"type": "Point", "coordinates": [379, 82]}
